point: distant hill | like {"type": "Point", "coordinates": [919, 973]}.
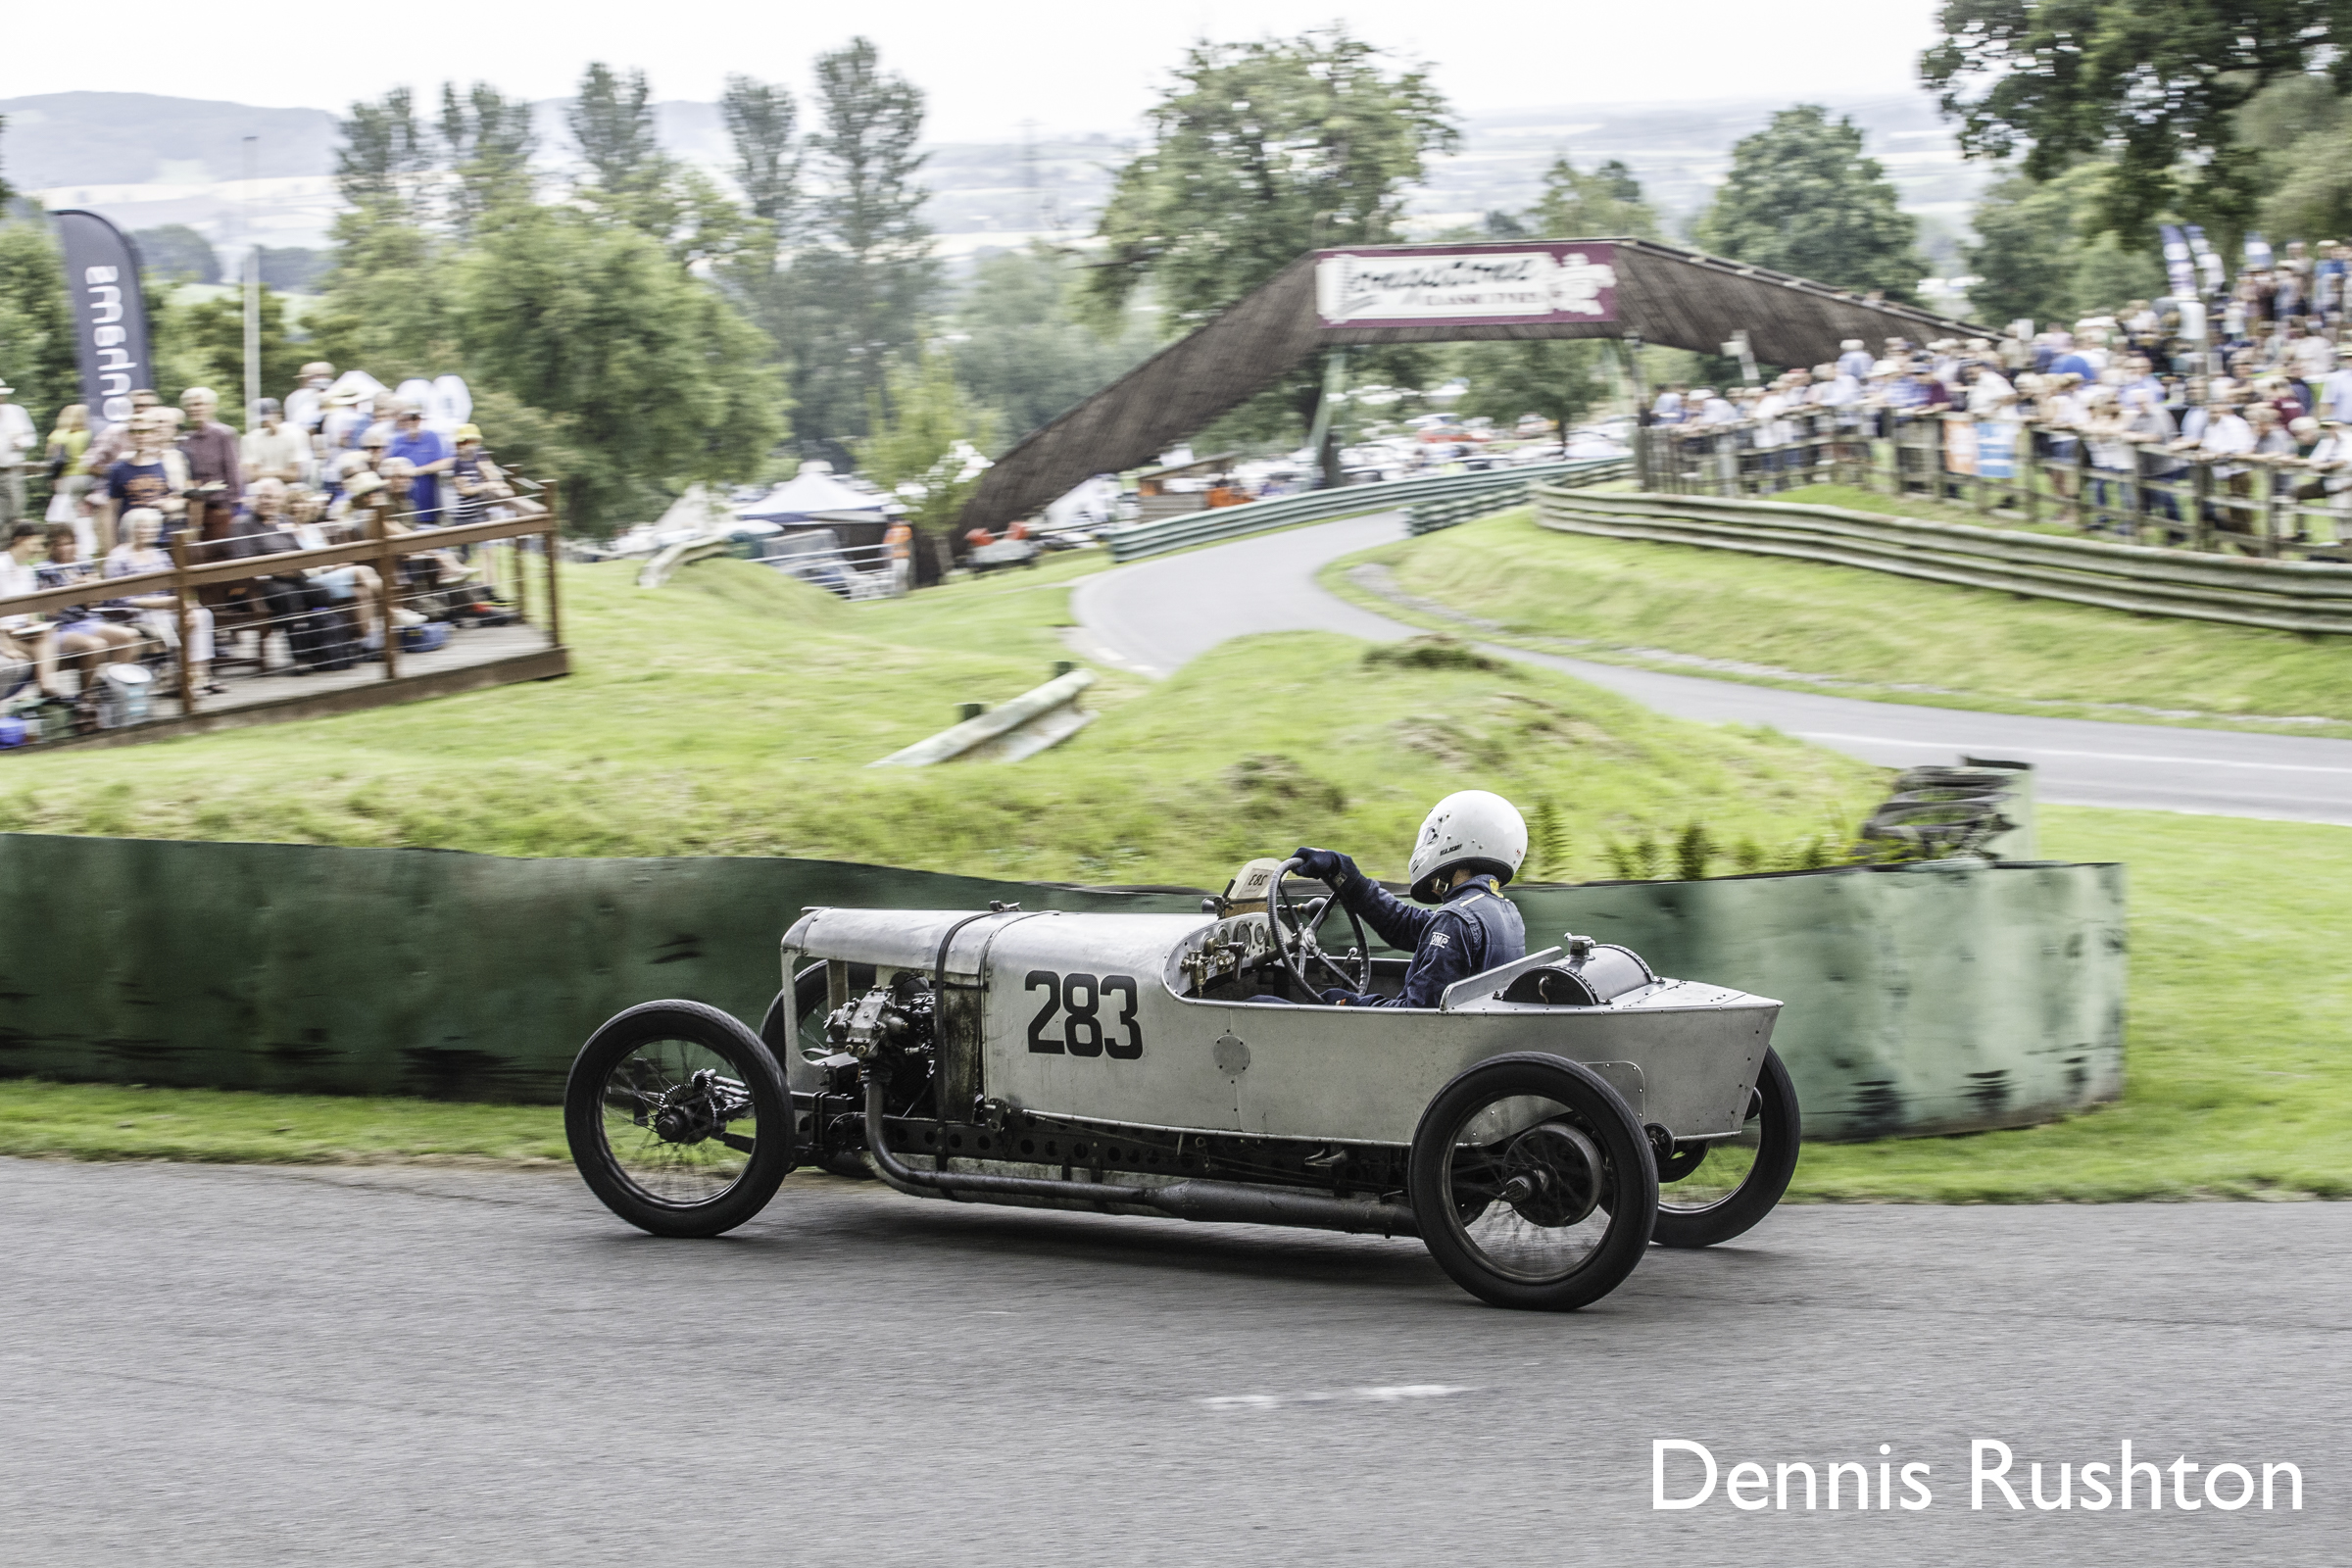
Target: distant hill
{"type": "Point", "coordinates": [146, 161]}
{"type": "Point", "coordinates": [136, 138]}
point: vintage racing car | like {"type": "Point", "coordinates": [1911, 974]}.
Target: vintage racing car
{"type": "Point", "coordinates": [1538, 1129]}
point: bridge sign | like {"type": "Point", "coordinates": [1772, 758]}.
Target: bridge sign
{"type": "Point", "coordinates": [1467, 285]}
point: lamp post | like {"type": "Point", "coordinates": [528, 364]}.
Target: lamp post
{"type": "Point", "coordinates": [253, 298]}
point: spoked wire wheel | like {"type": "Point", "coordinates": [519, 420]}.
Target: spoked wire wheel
{"type": "Point", "coordinates": [678, 1119]}
{"type": "Point", "coordinates": [1532, 1183]}
{"type": "Point", "coordinates": [1712, 1192]}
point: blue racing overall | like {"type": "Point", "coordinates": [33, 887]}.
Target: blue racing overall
{"type": "Point", "coordinates": [1474, 929]}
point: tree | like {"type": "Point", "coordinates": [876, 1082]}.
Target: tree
{"type": "Point", "coordinates": [1559, 379]}
{"type": "Point", "coordinates": [36, 321]}
{"type": "Point", "coordinates": [177, 254]}
{"type": "Point", "coordinates": [866, 275]}
{"type": "Point", "coordinates": [650, 373]}
{"type": "Point", "coordinates": [1605, 202]}
{"type": "Point", "coordinates": [926, 445]}
{"type": "Point", "coordinates": [1021, 351]}
{"type": "Point", "coordinates": [202, 343]}
{"type": "Point", "coordinates": [382, 155]}
{"type": "Point", "coordinates": [293, 269]}
{"type": "Point", "coordinates": [487, 138]}
{"type": "Point", "coordinates": [387, 298]}
{"type": "Point", "coordinates": [2304, 134]}
{"type": "Point", "coordinates": [1801, 198]}
{"type": "Point", "coordinates": [763, 124]}
{"type": "Point", "coordinates": [1259, 153]}
{"type": "Point", "coordinates": [612, 121]}
{"type": "Point", "coordinates": [2153, 84]}
{"type": "Point", "coordinates": [2038, 253]}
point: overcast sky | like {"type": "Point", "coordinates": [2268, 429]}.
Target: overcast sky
{"type": "Point", "coordinates": [988, 64]}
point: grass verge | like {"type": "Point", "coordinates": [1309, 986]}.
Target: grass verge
{"type": "Point", "coordinates": [1807, 626]}
{"type": "Point", "coordinates": [734, 713]}
{"type": "Point", "coordinates": [2238, 1082]}
{"type": "Point", "coordinates": [114, 1121]}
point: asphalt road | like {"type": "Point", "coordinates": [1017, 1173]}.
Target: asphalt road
{"type": "Point", "coordinates": [208, 1365]}
{"type": "Point", "coordinates": [1155, 616]}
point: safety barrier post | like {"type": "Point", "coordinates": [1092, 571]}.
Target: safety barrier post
{"type": "Point", "coordinates": [387, 568]}
{"type": "Point", "coordinates": [2269, 511]}
{"type": "Point", "coordinates": [548, 542]}
{"type": "Point", "coordinates": [180, 619]}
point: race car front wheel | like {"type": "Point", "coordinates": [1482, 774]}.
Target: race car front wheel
{"type": "Point", "coordinates": [1712, 1192]}
{"type": "Point", "coordinates": [678, 1119]}
{"type": "Point", "coordinates": [1532, 1183]}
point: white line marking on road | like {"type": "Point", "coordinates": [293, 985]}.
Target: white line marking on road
{"type": "Point", "coordinates": [1391, 1393]}
{"type": "Point", "coordinates": [2052, 751]}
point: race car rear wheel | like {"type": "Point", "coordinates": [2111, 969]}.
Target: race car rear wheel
{"type": "Point", "coordinates": [1735, 1181]}
{"type": "Point", "coordinates": [1532, 1184]}
{"type": "Point", "coordinates": [678, 1119]}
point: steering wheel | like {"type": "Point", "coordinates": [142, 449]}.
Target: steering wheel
{"type": "Point", "coordinates": [1299, 946]}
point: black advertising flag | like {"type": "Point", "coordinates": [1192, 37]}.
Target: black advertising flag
{"type": "Point", "coordinates": [110, 315]}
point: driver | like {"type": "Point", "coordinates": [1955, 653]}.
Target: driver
{"type": "Point", "coordinates": [1470, 845]}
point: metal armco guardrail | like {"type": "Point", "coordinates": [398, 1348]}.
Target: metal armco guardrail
{"type": "Point", "coordinates": [669, 558]}
{"type": "Point", "coordinates": [1040, 716]}
{"type": "Point", "coordinates": [1508, 486]}
{"type": "Point", "coordinates": [2303, 596]}
{"type": "Point", "coordinates": [1922, 1000]}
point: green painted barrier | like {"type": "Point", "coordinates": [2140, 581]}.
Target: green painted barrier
{"type": "Point", "coordinates": [1919, 1000]}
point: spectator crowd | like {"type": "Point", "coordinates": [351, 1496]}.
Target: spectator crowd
{"type": "Point", "coordinates": [2260, 387]}
{"type": "Point", "coordinates": [339, 460]}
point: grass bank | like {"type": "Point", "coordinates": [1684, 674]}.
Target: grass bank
{"type": "Point", "coordinates": [114, 1121]}
{"type": "Point", "coordinates": [734, 713]}
{"type": "Point", "coordinates": [1854, 633]}
{"type": "Point", "coordinates": [2238, 1084]}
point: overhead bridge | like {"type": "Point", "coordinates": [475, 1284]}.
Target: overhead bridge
{"type": "Point", "coordinates": [1635, 289]}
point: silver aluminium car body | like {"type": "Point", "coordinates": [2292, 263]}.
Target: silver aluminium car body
{"type": "Point", "coordinates": [1096, 1018]}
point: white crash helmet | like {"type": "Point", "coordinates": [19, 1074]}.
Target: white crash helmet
{"type": "Point", "coordinates": [1477, 828]}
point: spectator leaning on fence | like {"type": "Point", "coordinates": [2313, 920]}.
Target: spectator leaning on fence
{"type": "Point", "coordinates": [44, 642]}
{"type": "Point", "coordinates": [142, 552]}
{"type": "Point", "coordinates": [428, 458]}
{"type": "Point", "coordinates": [64, 569]}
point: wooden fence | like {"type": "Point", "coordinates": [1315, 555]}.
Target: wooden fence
{"type": "Point", "coordinates": [523, 576]}
{"type": "Point", "coordinates": [2097, 484]}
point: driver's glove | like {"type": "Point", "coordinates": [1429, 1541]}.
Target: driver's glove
{"type": "Point", "coordinates": [1327, 867]}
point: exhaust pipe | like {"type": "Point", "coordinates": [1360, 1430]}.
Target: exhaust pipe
{"type": "Point", "coordinates": [1206, 1201]}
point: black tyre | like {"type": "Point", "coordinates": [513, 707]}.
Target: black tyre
{"type": "Point", "coordinates": [678, 1119]}
{"type": "Point", "coordinates": [1533, 1183]}
{"type": "Point", "coordinates": [1734, 1182]}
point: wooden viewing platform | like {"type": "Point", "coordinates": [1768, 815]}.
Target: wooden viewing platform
{"type": "Point", "coordinates": [529, 649]}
